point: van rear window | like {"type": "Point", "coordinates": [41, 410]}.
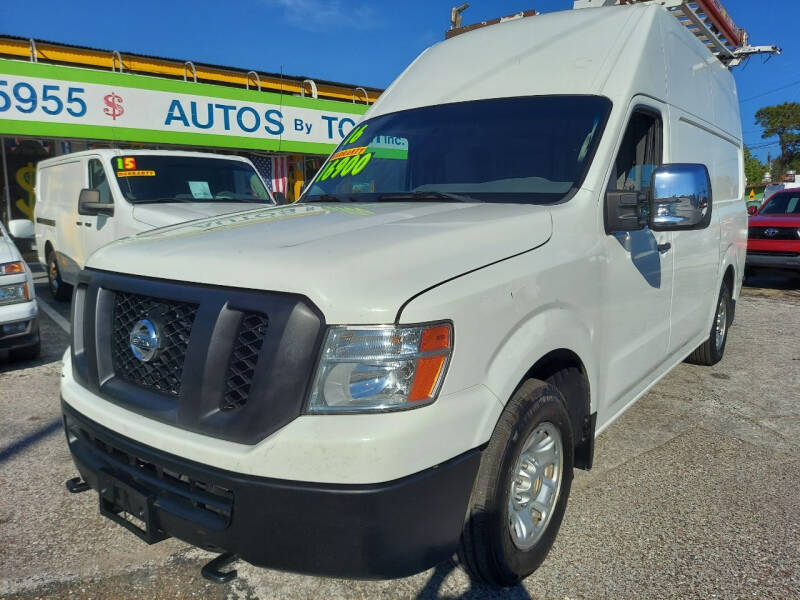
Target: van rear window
{"type": "Point", "coordinates": [161, 178]}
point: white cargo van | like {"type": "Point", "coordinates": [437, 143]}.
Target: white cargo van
{"type": "Point", "coordinates": [533, 225]}
{"type": "Point", "coordinates": [87, 199]}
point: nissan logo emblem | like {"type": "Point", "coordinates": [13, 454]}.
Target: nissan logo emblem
{"type": "Point", "coordinates": [145, 340]}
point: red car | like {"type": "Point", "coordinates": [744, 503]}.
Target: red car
{"type": "Point", "coordinates": [774, 233]}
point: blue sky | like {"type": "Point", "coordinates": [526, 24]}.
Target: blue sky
{"type": "Point", "coordinates": [355, 41]}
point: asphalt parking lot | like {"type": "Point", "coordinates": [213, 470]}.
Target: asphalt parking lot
{"type": "Point", "coordinates": [694, 492]}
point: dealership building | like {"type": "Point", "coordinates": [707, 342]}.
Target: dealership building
{"type": "Point", "coordinates": [56, 99]}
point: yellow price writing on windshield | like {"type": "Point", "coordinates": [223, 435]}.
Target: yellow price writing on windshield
{"type": "Point", "coordinates": [347, 165]}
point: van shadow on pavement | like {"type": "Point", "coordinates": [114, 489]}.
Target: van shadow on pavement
{"type": "Point", "coordinates": [433, 588]}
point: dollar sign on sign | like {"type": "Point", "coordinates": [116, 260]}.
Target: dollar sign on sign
{"type": "Point", "coordinates": [113, 106]}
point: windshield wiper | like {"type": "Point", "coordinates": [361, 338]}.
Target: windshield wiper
{"type": "Point", "coordinates": [165, 199]}
{"type": "Point", "coordinates": [329, 198]}
{"type": "Point", "coordinates": [423, 196]}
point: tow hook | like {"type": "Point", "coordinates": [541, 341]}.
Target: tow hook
{"type": "Point", "coordinates": [212, 570]}
{"type": "Point", "coordinates": [76, 485]}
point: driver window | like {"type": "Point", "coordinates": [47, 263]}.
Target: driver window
{"type": "Point", "coordinates": [98, 181]}
{"type": "Point", "coordinates": [639, 155]}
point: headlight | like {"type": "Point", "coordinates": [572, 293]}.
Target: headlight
{"type": "Point", "coordinates": [374, 369]}
{"type": "Point", "coordinates": [12, 294]}
{"type": "Point", "coordinates": [12, 268]}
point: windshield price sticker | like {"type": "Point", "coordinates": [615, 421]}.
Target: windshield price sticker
{"type": "Point", "coordinates": [350, 161]}
{"type": "Point", "coordinates": [136, 173]}
{"type": "Point", "coordinates": [128, 163]}
{"type": "Point", "coordinates": [342, 167]}
{"type": "Point", "coordinates": [349, 152]}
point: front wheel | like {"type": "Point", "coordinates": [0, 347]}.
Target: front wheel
{"type": "Point", "coordinates": [521, 491]}
{"type": "Point", "coordinates": [59, 289]}
{"type": "Point", "coordinates": [712, 350]}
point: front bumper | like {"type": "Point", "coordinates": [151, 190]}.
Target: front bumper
{"type": "Point", "coordinates": [25, 313]}
{"type": "Point", "coordinates": [364, 531]}
{"type": "Point", "coordinates": [777, 260]}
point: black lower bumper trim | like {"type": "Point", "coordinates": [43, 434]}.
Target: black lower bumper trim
{"type": "Point", "coordinates": [773, 260]}
{"type": "Point", "coordinates": [375, 531]}
{"type": "Point", "coordinates": [17, 342]}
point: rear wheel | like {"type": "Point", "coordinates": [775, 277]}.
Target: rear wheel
{"type": "Point", "coordinates": [521, 490]}
{"type": "Point", "coordinates": [58, 289]}
{"type": "Point", "coordinates": [712, 350]}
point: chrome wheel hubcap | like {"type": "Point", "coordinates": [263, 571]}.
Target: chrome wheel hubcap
{"type": "Point", "coordinates": [52, 271]}
{"type": "Point", "coordinates": [535, 485]}
{"type": "Point", "coordinates": [721, 323]}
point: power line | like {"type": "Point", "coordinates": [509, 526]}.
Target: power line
{"type": "Point", "coordinates": [783, 87]}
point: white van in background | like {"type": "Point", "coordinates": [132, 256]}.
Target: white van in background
{"type": "Point", "coordinates": [87, 199]}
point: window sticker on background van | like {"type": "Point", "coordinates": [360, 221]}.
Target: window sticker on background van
{"type": "Point", "coordinates": [126, 167]}
{"type": "Point", "coordinates": [126, 163]}
{"type": "Point", "coordinates": [136, 173]}
{"type": "Point", "coordinates": [200, 189]}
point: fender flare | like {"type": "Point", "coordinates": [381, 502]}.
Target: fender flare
{"type": "Point", "coordinates": [552, 327]}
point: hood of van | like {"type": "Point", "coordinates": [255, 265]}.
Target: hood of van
{"type": "Point", "coordinates": [357, 262]}
{"type": "Point", "coordinates": [170, 213]}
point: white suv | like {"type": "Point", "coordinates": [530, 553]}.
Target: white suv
{"type": "Point", "coordinates": [533, 225]}
{"type": "Point", "coordinates": [19, 323]}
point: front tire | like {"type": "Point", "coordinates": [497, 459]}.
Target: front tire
{"type": "Point", "coordinates": [58, 288]}
{"type": "Point", "coordinates": [712, 350]}
{"type": "Point", "coordinates": [520, 493]}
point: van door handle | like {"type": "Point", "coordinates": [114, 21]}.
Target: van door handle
{"type": "Point", "coordinates": [78, 222]}
{"type": "Point", "coordinates": [662, 248]}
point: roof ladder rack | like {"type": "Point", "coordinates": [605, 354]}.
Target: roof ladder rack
{"type": "Point", "coordinates": [708, 21]}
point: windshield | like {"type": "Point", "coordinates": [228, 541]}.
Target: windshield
{"type": "Point", "coordinates": [162, 178]}
{"type": "Point", "coordinates": [783, 204]}
{"type": "Point", "coordinates": [531, 150]}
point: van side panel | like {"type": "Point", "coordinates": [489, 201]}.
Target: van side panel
{"type": "Point", "coordinates": [705, 127]}
{"type": "Point", "coordinates": [41, 211]}
{"type": "Point", "coordinates": [61, 186]}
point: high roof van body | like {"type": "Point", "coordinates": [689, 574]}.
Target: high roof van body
{"type": "Point", "coordinates": [534, 224]}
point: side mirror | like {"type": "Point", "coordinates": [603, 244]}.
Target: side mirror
{"type": "Point", "coordinates": [623, 212]}
{"type": "Point", "coordinates": [680, 198]}
{"type": "Point", "coordinates": [752, 210]}
{"type": "Point", "coordinates": [89, 204]}
{"type": "Point", "coordinates": [280, 198]}
{"type": "Point", "coordinates": [21, 229]}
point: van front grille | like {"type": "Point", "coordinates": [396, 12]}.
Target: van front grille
{"type": "Point", "coordinates": [243, 360]}
{"type": "Point", "coordinates": [174, 323]}
{"type": "Point", "coordinates": [229, 363]}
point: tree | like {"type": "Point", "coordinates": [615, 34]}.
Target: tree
{"type": "Point", "coordinates": [783, 121]}
{"type": "Point", "coordinates": [754, 169]}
